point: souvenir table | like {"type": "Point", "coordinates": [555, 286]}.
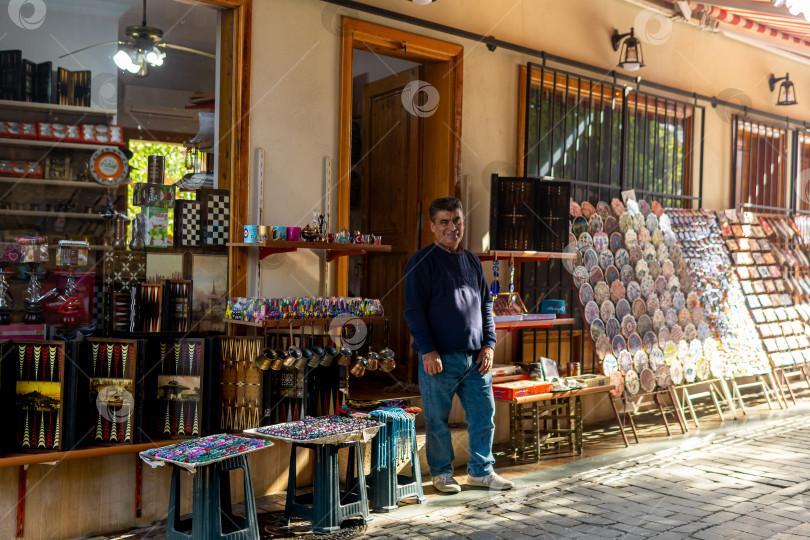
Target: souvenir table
{"type": "Point", "coordinates": [210, 458]}
{"type": "Point", "coordinates": [325, 436]}
{"type": "Point", "coordinates": [561, 417]}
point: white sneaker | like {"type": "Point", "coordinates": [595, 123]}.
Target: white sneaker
{"type": "Point", "coordinates": [446, 483]}
{"type": "Point", "coordinates": [491, 481]}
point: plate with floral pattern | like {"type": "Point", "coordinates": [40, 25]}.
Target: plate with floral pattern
{"type": "Point", "coordinates": [613, 328]}
{"type": "Point", "coordinates": [617, 380]}
{"type": "Point", "coordinates": [617, 206]}
{"type": "Point", "coordinates": [597, 329]}
{"type": "Point", "coordinates": [636, 254]}
{"type": "Point", "coordinates": [695, 349]}
{"type": "Point", "coordinates": [617, 291]}
{"type": "Point", "coordinates": [621, 257]}
{"type": "Point", "coordinates": [655, 269]}
{"type": "Point", "coordinates": [652, 303]}
{"type": "Point", "coordinates": [650, 339]}
{"type": "Point", "coordinates": [644, 238]}
{"type": "Point", "coordinates": [647, 380]}
{"type": "Point", "coordinates": [689, 371]}
{"type": "Point", "coordinates": [698, 316]}
{"type": "Point", "coordinates": [585, 241]}
{"type": "Point", "coordinates": [652, 222]}
{"type": "Point", "coordinates": [607, 310]}
{"type": "Point", "coordinates": [639, 308]}
{"type": "Point", "coordinates": [678, 301]}
{"type": "Point", "coordinates": [657, 209]}
{"type": "Point", "coordinates": [603, 209]}
{"type": "Point", "coordinates": [633, 343]}
{"type": "Point", "coordinates": [580, 276]}
{"type": "Point", "coordinates": [579, 226]}
{"type": "Point", "coordinates": [619, 344]}
{"type": "Point", "coordinates": [671, 317]}
{"type": "Point", "coordinates": [631, 382]}
{"type": "Point", "coordinates": [609, 364]}
{"type": "Point", "coordinates": [662, 377]}
{"type": "Point", "coordinates": [666, 300]}
{"type": "Point", "coordinates": [585, 293]}
{"type": "Point", "coordinates": [703, 331]}
{"type": "Point", "coordinates": [689, 332]}
{"type": "Point", "coordinates": [643, 207]}
{"type": "Point", "coordinates": [663, 336]}
{"type": "Point", "coordinates": [717, 366]}
{"type": "Point", "coordinates": [629, 326]}
{"type": "Point", "coordinates": [587, 209]}
{"type": "Point", "coordinates": [606, 258]}
{"type": "Point", "coordinates": [591, 312]}
{"type": "Point", "coordinates": [674, 284]}
{"type": "Point", "coordinates": [638, 222]}
{"type": "Point", "coordinates": [611, 274]}
{"type": "Point", "coordinates": [616, 241]}
{"type": "Point", "coordinates": [642, 270]}
{"type": "Point", "coordinates": [595, 224]}
{"type": "Point", "coordinates": [660, 285]}
{"type": "Point", "coordinates": [573, 208]}
{"type": "Point", "coordinates": [626, 274]}
{"type": "Point", "coordinates": [663, 254]}
{"type": "Point", "coordinates": [590, 258]}
{"type": "Point", "coordinates": [625, 361]}
{"type": "Point", "coordinates": [611, 225]}
{"type": "Point", "coordinates": [647, 286]}
{"type": "Point", "coordinates": [602, 346]}
{"type": "Point", "coordinates": [622, 308]}
{"type": "Point", "coordinates": [656, 357]}
{"type": "Point", "coordinates": [601, 292]}
{"type": "Point", "coordinates": [640, 360]}
{"type": "Point", "coordinates": [633, 291]}
{"type": "Point", "coordinates": [630, 238]}
{"type": "Point", "coordinates": [684, 317]}
{"type": "Point", "coordinates": [596, 275]}
{"type": "Point", "coordinates": [600, 242]}
{"type": "Point", "coordinates": [658, 320]}
{"type": "Point", "coordinates": [676, 334]}
{"type": "Point", "coordinates": [645, 324]}
{"type": "Point", "coordinates": [692, 300]}
{"type": "Point", "coordinates": [657, 237]}
{"type": "Point", "coordinates": [625, 223]}
{"type": "Point", "coordinates": [676, 372]}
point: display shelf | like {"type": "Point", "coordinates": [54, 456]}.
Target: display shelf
{"type": "Point", "coordinates": [285, 323]}
{"type": "Point", "coordinates": [33, 143]}
{"type": "Point", "coordinates": [333, 249]}
{"type": "Point", "coordinates": [45, 213]}
{"type": "Point", "coordinates": [53, 108]}
{"type": "Point", "coordinates": [528, 325]}
{"type": "Point", "coordinates": [53, 182]}
{"type": "Point", "coordinates": [16, 460]}
{"type": "Point", "coordinates": [525, 256]}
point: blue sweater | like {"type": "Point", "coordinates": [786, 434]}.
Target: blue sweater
{"type": "Point", "coordinates": [447, 302]}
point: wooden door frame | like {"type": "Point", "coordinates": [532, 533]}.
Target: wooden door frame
{"type": "Point", "coordinates": [356, 34]}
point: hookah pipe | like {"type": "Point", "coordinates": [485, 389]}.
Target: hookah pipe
{"type": "Point", "coordinates": [9, 255]}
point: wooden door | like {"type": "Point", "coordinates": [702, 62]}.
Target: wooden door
{"type": "Point", "coordinates": [390, 191]}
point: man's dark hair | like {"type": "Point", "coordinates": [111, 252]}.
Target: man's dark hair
{"type": "Point", "coordinates": [448, 204]}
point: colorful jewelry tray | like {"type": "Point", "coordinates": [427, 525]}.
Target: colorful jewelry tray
{"type": "Point", "coordinates": [322, 430]}
{"type": "Point", "coordinates": [204, 451]}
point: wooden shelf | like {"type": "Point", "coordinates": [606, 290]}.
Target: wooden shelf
{"type": "Point", "coordinates": [284, 323]}
{"type": "Point", "coordinates": [45, 213]}
{"type": "Point", "coordinates": [16, 460]}
{"type": "Point", "coordinates": [53, 108]}
{"type": "Point", "coordinates": [528, 325]}
{"type": "Point", "coordinates": [53, 182]}
{"type": "Point", "coordinates": [333, 249]}
{"type": "Point", "coordinates": [525, 256]}
{"type": "Point", "coordinates": [33, 143]}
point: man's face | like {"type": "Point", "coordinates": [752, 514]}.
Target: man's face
{"type": "Point", "coordinates": [448, 228]}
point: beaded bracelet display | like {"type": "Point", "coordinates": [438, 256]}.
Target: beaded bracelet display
{"type": "Point", "coordinates": [207, 449]}
{"type": "Point", "coordinates": [395, 438]}
{"type": "Point", "coordinates": [315, 428]}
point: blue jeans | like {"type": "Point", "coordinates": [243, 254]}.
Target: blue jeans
{"type": "Point", "coordinates": [460, 376]}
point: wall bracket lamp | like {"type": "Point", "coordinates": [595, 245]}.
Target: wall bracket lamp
{"type": "Point", "coordinates": [787, 93]}
{"type": "Point", "coordinates": [630, 57]}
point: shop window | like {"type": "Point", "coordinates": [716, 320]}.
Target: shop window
{"type": "Point", "coordinates": [760, 164]}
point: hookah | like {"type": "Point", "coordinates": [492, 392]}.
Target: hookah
{"type": "Point", "coordinates": [70, 256]}
{"type": "Point", "coordinates": [34, 251]}
{"type": "Point", "coordinates": [8, 255]}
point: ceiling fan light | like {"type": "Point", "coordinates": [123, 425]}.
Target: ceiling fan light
{"type": "Point", "coordinates": [123, 60]}
{"type": "Point", "coordinates": [155, 57]}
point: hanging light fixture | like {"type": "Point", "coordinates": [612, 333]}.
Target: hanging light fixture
{"type": "Point", "coordinates": [787, 94]}
{"type": "Point", "coordinates": [630, 58]}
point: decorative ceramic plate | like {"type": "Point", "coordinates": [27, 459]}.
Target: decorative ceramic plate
{"type": "Point", "coordinates": [574, 209]}
{"type": "Point", "coordinates": [587, 209]}
{"type": "Point", "coordinates": [585, 293]}
{"type": "Point", "coordinates": [611, 225]}
{"type": "Point", "coordinates": [611, 274]}
{"type": "Point", "coordinates": [703, 331]}
{"type": "Point", "coordinates": [633, 291]}
{"type": "Point", "coordinates": [595, 224]}
{"type": "Point", "coordinates": [656, 357]}
{"type": "Point", "coordinates": [600, 242]}
{"type": "Point", "coordinates": [678, 301]}
{"type": "Point", "coordinates": [629, 325]}
{"type": "Point", "coordinates": [658, 320]}
{"type": "Point", "coordinates": [674, 284]}
{"type": "Point", "coordinates": [652, 222]}
{"type": "Point", "coordinates": [704, 369]}
{"type": "Point", "coordinates": [670, 350]}
{"type": "Point", "coordinates": [638, 222]}
{"type": "Point", "coordinates": [613, 328]}
{"type": "Point", "coordinates": [622, 258]}
{"type": "Point", "coordinates": [696, 348]}
{"type": "Point", "coordinates": [636, 254]}
{"type": "Point", "coordinates": [676, 371]}
{"type": "Point", "coordinates": [580, 276]}
{"type": "Point", "coordinates": [596, 276]}
{"type": "Point", "coordinates": [603, 209]}
{"type": "Point", "coordinates": [717, 366]}
{"type": "Point", "coordinates": [663, 336]}
{"type": "Point", "coordinates": [663, 253]}
{"type": "Point", "coordinates": [630, 238]}
{"type": "Point", "coordinates": [652, 303]}
{"type": "Point", "coordinates": [617, 380]}
{"type": "Point", "coordinates": [640, 360]}
{"type": "Point", "coordinates": [609, 364]}
{"type": "Point", "coordinates": [616, 241]}
{"type": "Point", "coordinates": [670, 239]}
{"type": "Point", "coordinates": [689, 371]}
{"type": "Point", "coordinates": [597, 329]}
{"type": "Point", "coordinates": [626, 274]}
{"type": "Point", "coordinates": [671, 317]}
{"type": "Point", "coordinates": [657, 238]}
{"type": "Point", "coordinates": [639, 308]}
{"type": "Point", "coordinates": [664, 223]}
{"type": "Point", "coordinates": [676, 334]}
{"type": "Point", "coordinates": [643, 207]}
{"type": "Point", "coordinates": [601, 292]}
{"type": "Point", "coordinates": [689, 331]}
{"type": "Point", "coordinates": [692, 300]}
{"type": "Point", "coordinates": [617, 291]}
{"type": "Point", "coordinates": [572, 242]}
{"type": "Point", "coordinates": [684, 317]}
{"type": "Point", "coordinates": [656, 208]}
{"type": "Point", "coordinates": [585, 242]}
{"type": "Point", "coordinates": [591, 312]}
{"type": "Point", "coordinates": [645, 325]}
{"type": "Point", "coordinates": [655, 269]}
{"type": "Point", "coordinates": [579, 226]}
{"type": "Point", "coordinates": [619, 345]}
{"type": "Point", "coordinates": [622, 309]}
{"type": "Point", "coordinates": [662, 377]}
{"type": "Point", "coordinates": [631, 382]}
{"type": "Point", "coordinates": [650, 339]}
{"type": "Point", "coordinates": [634, 343]}
{"type": "Point", "coordinates": [625, 223]}
{"type": "Point", "coordinates": [682, 351]}
{"type": "Point", "coordinates": [642, 270]}
{"type": "Point", "coordinates": [644, 238]}
{"type": "Point", "coordinates": [606, 258]}
{"type": "Point", "coordinates": [698, 316]}
{"type": "Point", "coordinates": [108, 166]}
{"type": "Point", "coordinates": [647, 380]}
{"type": "Point", "coordinates": [607, 310]}
{"type": "Point", "coordinates": [617, 206]}
{"type": "Point", "coordinates": [602, 346]}
{"type": "Point", "coordinates": [660, 285]}
{"type": "Point", "coordinates": [665, 300]}
{"type": "Point", "coordinates": [647, 286]}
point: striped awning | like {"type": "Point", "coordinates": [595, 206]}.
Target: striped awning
{"type": "Point", "coordinates": [762, 19]}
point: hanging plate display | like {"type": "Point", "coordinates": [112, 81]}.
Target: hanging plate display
{"type": "Point", "coordinates": [613, 328]}
{"type": "Point", "coordinates": [676, 372]}
{"type": "Point", "coordinates": [600, 242]}
{"type": "Point", "coordinates": [607, 310]}
{"type": "Point", "coordinates": [596, 276]}
{"type": "Point", "coordinates": [597, 329]}
{"type": "Point", "coordinates": [591, 312]}
{"type": "Point", "coordinates": [611, 274]}
{"type": "Point", "coordinates": [602, 346]}
{"type": "Point", "coordinates": [609, 364]}
{"type": "Point", "coordinates": [617, 380]}
{"type": "Point", "coordinates": [639, 308]}
{"type": "Point", "coordinates": [634, 343]}
{"type": "Point", "coordinates": [622, 309]}
{"type": "Point", "coordinates": [650, 339]}
{"type": "Point", "coordinates": [601, 292]}
{"type": "Point", "coordinates": [585, 293]}
{"type": "Point", "coordinates": [647, 380]}
{"type": "Point", "coordinates": [633, 291]}
{"type": "Point", "coordinates": [631, 382]}
{"type": "Point", "coordinates": [580, 226]}
{"type": "Point", "coordinates": [606, 259]}
{"type": "Point", "coordinates": [108, 166]}
{"type": "Point", "coordinates": [619, 344]}
{"type": "Point", "coordinates": [625, 361]}
{"type": "Point", "coordinates": [580, 276]}
{"type": "Point", "coordinates": [662, 377]}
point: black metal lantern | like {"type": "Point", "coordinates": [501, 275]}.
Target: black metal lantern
{"type": "Point", "coordinates": [631, 57]}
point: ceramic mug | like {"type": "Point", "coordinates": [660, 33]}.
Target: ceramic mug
{"type": "Point", "coordinates": [279, 233]}
{"type": "Point", "coordinates": [265, 234]}
{"type": "Point", "coordinates": [293, 234]}
{"type": "Point", "coordinates": [251, 233]}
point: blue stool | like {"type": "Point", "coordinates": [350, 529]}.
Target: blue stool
{"type": "Point", "coordinates": [212, 517]}
{"type": "Point", "coordinates": [328, 505]}
{"type": "Point", "coordinates": [386, 489]}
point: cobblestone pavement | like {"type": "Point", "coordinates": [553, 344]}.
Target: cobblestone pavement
{"type": "Point", "coordinates": [753, 482]}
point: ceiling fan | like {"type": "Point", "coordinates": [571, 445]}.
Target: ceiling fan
{"type": "Point", "coordinates": [143, 49]}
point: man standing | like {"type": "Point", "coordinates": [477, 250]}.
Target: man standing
{"type": "Point", "coordinates": [449, 311]}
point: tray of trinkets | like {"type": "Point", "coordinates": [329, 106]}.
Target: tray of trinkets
{"type": "Point", "coordinates": [321, 430]}
{"type": "Point", "coordinates": [203, 451]}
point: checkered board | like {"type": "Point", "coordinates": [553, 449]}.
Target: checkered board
{"type": "Point", "coordinates": [187, 232]}
{"type": "Point", "coordinates": [216, 212]}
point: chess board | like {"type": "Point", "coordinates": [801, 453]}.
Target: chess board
{"type": "Point", "coordinates": [188, 229]}
{"type": "Point", "coordinates": [216, 216]}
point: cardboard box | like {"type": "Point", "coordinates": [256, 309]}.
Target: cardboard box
{"type": "Point", "coordinates": [157, 227]}
{"type": "Point", "coordinates": [515, 389]}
